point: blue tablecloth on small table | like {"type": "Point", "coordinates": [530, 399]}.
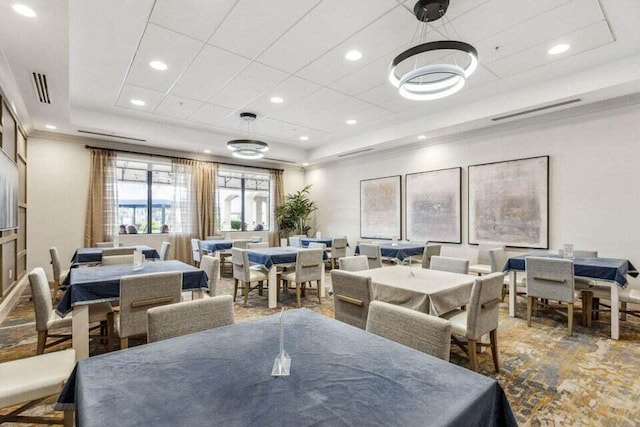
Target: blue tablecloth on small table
{"type": "Point", "coordinates": [85, 255]}
{"type": "Point", "coordinates": [92, 284]}
{"type": "Point", "coordinates": [609, 269]}
{"type": "Point", "coordinates": [271, 256]}
{"type": "Point", "coordinates": [340, 375]}
{"type": "Point", "coordinates": [400, 251]}
{"type": "Point", "coordinates": [216, 245]}
{"type": "Point", "coordinates": [306, 240]}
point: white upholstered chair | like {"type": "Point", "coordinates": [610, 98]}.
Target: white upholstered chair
{"type": "Point", "coordinates": [242, 243]}
{"type": "Point", "coordinates": [430, 251]}
{"type": "Point", "coordinates": [308, 269]}
{"type": "Point", "coordinates": [373, 254]}
{"type": "Point", "coordinates": [452, 265]}
{"type": "Point", "coordinates": [59, 275]}
{"type": "Point", "coordinates": [119, 259]}
{"type": "Point", "coordinates": [195, 251]}
{"type": "Point", "coordinates": [244, 275]}
{"type": "Point", "coordinates": [483, 264]}
{"type": "Point", "coordinates": [211, 266]}
{"type": "Point", "coordinates": [125, 250]}
{"type": "Point", "coordinates": [351, 297]}
{"type": "Point", "coordinates": [338, 249]}
{"type": "Point", "coordinates": [353, 263]}
{"type": "Point", "coordinates": [420, 331]}
{"type": "Point", "coordinates": [257, 245]}
{"type": "Point", "coordinates": [165, 249]}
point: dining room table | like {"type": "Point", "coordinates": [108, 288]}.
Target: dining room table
{"type": "Point", "coordinates": [91, 285]}
{"type": "Point", "coordinates": [398, 251]}
{"type": "Point", "coordinates": [213, 246]}
{"type": "Point", "coordinates": [271, 258]}
{"type": "Point", "coordinates": [607, 271]}
{"type": "Point", "coordinates": [339, 376]}
{"type": "Point", "coordinates": [304, 241]}
{"type": "Point", "coordinates": [94, 255]}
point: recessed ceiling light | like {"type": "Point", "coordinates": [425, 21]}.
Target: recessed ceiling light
{"type": "Point", "coordinates": [422, 137]}
{"type": "Point", "coordinates": [351, 122]}
{"type": "Point", "coordinates": [277, 100]}
{"type": "Point", "coordinates": [559, 48]}
{"type": "Point", "coordinates": [52, 127]}
{"type": "Point", "coordinates": [305, 164]}
{"type": "Point", "coordinates": [353, 55]}
{"type": "Point", "coordinates": [207, 151]}
{"type": "Point", "coordinates": [158, 65]}
{"type": "Point", "coordinates": [24, 10]}
{"type": "Point", "coordinates": [304, 138]}
{"type": "Point", "coordinates": [138, 102]}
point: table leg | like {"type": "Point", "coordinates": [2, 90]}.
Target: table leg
{"type": "Point", "coordinates": [322, 290]}
{"type": "Point", "coordinates": [615, 312]}
{"type": "Point", "coordinates": [512, 293]}
{"type": "Point", "coordinates": [197, 294]}
{"type": "Point", "coordinates": [80, 331]}
{"type": "Point", "coordinates": [273, 287]}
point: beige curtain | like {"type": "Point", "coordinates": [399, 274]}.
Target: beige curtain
{"type": "Point", "coordinates": [184, 216]}
{"type": "Point", "coordinates": [205, 181]}
{"type": "Point", "coordinates": [101, 222]}
{"type": "Point", "coordinates": [277, 199]}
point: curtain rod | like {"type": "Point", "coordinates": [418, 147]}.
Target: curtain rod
{"type": "Point", "coordinates": [181, 158]}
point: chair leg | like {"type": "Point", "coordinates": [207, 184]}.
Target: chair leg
{"type": "Point", "coordinates": [493, 336]}
{"type": "Point", "coordinates": [587, 304]}
{"type": "Point", "coordinates": [235, 289]}
{"type": "Point", "coordinates": [246, 293]}
{"type": "Point", "coordinates": [319, 297]}
{"type": "Point", "coordinates": [260, 285]}
{"type": "Point", "coordinates": [570, 317]}
{"type": "Point", "coordinates": [124, 343]}
{"type": "Point", "coordinates": [42, 340]}
{"type": "Point", "coordinates": [529, 309]}
{"type": "Point", "coordinates": [472, 355]}
{"type": "Point", "coordinates": [298, 292]}
{"type": "Point", "coordinates": [68, 419]}
{"type": "Point", "coordinates": [623, 309]}
{"type": "Point", "coordinates": [110, 330]}
{"type": "Point", "coordinates": [596, 307]}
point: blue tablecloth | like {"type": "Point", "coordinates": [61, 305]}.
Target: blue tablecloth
{"type": "Point", "coordinates": [84, 255]}
{"type": "Point", "coordinates": [400, 251]}
{"type": "Point", "coordinates": [306, 240]}
{"type": "Point", "coordinates": [610, 269]}
{"type": "Point", "coordinates": [271, 256]}
{"type": "Point", "coordinates": [340, 375]}
{"type": "Point", "coordinates": [216, 245]}
{"type": "Point", "coordinates": [93, 284]}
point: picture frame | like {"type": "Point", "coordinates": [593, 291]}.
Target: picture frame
{"type": "Point", "coordinates": [381, 207]}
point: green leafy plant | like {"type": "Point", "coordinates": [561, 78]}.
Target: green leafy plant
{"type": "Point", "coordinates": [293, 216]}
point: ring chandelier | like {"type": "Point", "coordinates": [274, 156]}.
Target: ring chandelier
{"type": "Point", "coordinates": [248, 148]}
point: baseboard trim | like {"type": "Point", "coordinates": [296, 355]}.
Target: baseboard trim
{"type": "Point", "coordinates": [11, 299]}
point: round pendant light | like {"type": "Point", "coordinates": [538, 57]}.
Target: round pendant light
{"type": "Point", "coordinates": [249, 149]}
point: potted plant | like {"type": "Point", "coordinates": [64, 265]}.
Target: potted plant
{"type": "Point", "coordinates": [294, 214]}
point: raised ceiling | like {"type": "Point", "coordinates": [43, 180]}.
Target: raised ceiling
{"type": "Point", "coordinates": [227, 56]}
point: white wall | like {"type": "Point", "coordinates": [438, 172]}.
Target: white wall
{"type": "Point", "coordinates": [58, 184]}
{"type": "Point", "coordinates": [594, 179]}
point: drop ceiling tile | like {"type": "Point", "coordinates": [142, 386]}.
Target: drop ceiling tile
{"type": "Point", "coordinates": [365, 78]}
{"type": "Point", "coordinates": [290, 90]}
{"type": "Point", "coordinates": [195, 18]}
{"type": "Point", "coordinates": [210, 114]}
{"type": "Point", "coordinates": [151, 98]}
{"type": "Point", "coordinates": [582, 40]}
{"type": "Point", "coordinates": [253, 25]}
{"type": "Point", "coordinates": [174, 49]}
{"type": "Point", "coordinates": [317, 101]}
{"type": "Point", "coordinates": [248, 85]}
{"type": "Point", "coordinates": [335, 118]}
{"type": "Point", "coordinates": [380, 94]}
{"type": "Point", "coordinates": [323, 28]}
{"type": "Point", "coordinates": [209, 72]}
{"type": "Point", "coordinates": [177, 107]}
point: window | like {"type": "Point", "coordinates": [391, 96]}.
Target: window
{"type": "Point", "coordinates": [145, 196]}
{"type": "Point", "coordinates": [243, 201]}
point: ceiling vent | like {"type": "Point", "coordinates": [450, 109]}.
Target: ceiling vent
{"type": "Point", "coordinates": [111, 135]}
{"type": "Point", "coordinates": [41, 87]}
{"type": "Point", "coordinates": [536, 110]}
{"type": "Point", "coordinates": [280, 160]}
{"type": "Point", "coordinates": [353, 153]}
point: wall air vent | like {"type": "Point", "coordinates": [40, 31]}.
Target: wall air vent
{"type": "Point", "coordinates": [111, 135]}
{"type": "Point", "coordinates": [41, 87]}
{"type": "Point", "coordinates": [536, 110]}
{"type": "Point", "coordinates": [353, 153]}
{"type": "Point", "coordinates": [279, 160]}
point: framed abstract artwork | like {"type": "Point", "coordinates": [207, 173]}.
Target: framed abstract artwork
{"type": "Point", "coordinates": [380, 207]}
{"type": "Point", "coordinates": [434, 206]}
{"type": "Point", "coordinates": [509, 203]}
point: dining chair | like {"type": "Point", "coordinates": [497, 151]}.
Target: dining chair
{"type": "Point", "coordinates": [244, 275]}
{"type": "Point", "coordinates": [452, 265]}
{"type": "Point", "coordinates": [295, 241]}
{"type": "Point", "coordinates": [583, 282]}
{"type": "Point", "coordinates": [211, 266]}
{"type": "Point", "coordinates": [373, 254]}
{"type": "Point", "coordinates": [308, 269]}
{"type": "Point", "coordinates": [118, 251]}
{"type": "Point", "coordinates": [338, 250]}
{"type": "Point", "coordinates": [241, 243]}
{"type": "Point", "coordinates": [106, 244]}
{"type": "Point", "coordinates": [188, 317]}
{"type": "Point", "coordinates": [550, 279]}
{"type": "Point", "coordinates": [481, 317]}
{"type": "Point", "coordinates": [256, 239]}
{"type": "Point", "coordinates": [257, 245]}
{"type": "Point", "coordinates": [351, 297]}
{"type": "Point", "coordinates": [195, 251]}
{"type": "Point", "coordinates": [138, 294]}
{"type": "Point", "coordinates": [420, 331]}
{"type": "Point", "coordinates": [353, 263]}
{"type": "Point", "coordinates": [483, 264]}
{"type": "Point", "coordinates": [628, 295]}
{"type": "Point", "coordinates": [216, 237]}
{"type": "Point", "coordinates": [59, 275]}
{"type": "Point", "coordinates": [429, 252]}
{"type": "Point", "coordinates": [119, 259]}
{"type": "Point", "coordinates": [498, 260]}
{"type": "Point", "coordinates": [165, 248]}
{"type": "Point", "coordinates": [47, 319]}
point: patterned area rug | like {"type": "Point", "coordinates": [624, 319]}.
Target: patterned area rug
{"type": "Point", "coordinates": [551, 379]}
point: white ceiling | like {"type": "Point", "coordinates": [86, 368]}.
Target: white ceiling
{"type": "Point", "coordinates": [227, 56]}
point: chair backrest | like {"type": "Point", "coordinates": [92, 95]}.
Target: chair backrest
{"type": "Point", "coordinates": [353, 263]}
{"type": "Point", "coordinates": [187, 317]}
{"type": "Point", "coordinates": [339, 247]}
{"type": "Point", "coordinates": [195, 250]}
{"type": "Point", "coordinates": [585, 254]}
{"type": "Point", "coordinates": [215, 238]}
{"type": "Point", "coordinates": [550, 278]}
{"type": "Point", "coordinates": [452, 265]}
{"type": "Point", "coordinates": [241, 243]}
{"type": "Point", "coordinates": [119, 259]}
{"type": "Point", "coordinates": [118, 251]}
{"type": "Point", "coordinates": [55, 263]}
{"type": "Point", "coordinates": [106, 244]}
{"type": "Point", "coordinates": [164, 251]}
{"type": "Point", "coordinates": [484, 305]}
{"type": "Point", "coordinates": [240, 262]}
{"type": "Point", "coordinates": [41, 294]}
{"type": "Point", "coordinates": [430, 251]}
{"type": "Point", "coordinates": [211, 266]}
{"type": "Point", "coordinates": [257, 245]}
{"type": "Point", "coordinates": [294, 241]}
{"type": "Point", "coordinates": [483, 252]}
{"type": "Point", "coordinates": [373, 254]}
{"type": "Point", "coordinates": [256, 239]}
{"type": "Point", "coordinates": [142, 292]}
{"type": "Point", "coordinates": [420, 331]}
{"type": "Point", "coordinates": [309, 265]}
{"type": "Point", "coordinates": [317, 245]}
{"type": "Point", "coordinates": [351, 297]}
{"type": "Point", "coordinates": [498, 259]}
